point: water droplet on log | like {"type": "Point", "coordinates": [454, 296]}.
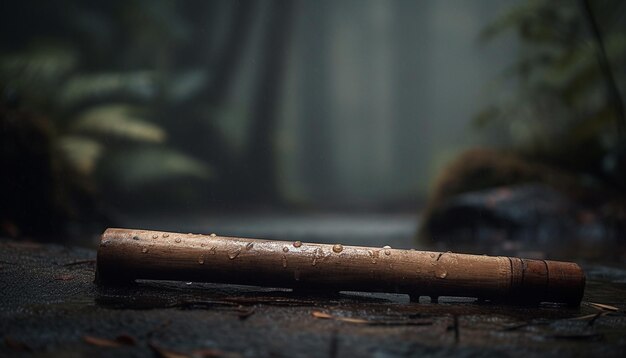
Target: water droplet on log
{"type": "Point", "coordinates": [373, 255]}
{"type": "Point", "coordinates": [233, 254]}
{"type": "Point", "coordinates": [318, 254]}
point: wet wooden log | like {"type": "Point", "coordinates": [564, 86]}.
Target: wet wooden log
{"type": "Point", "coordinates": [126, 255]}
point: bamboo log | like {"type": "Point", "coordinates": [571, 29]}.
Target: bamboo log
{"type": "Point", "coordinates": [126, 255]}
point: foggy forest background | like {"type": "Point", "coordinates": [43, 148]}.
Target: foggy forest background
{"type": "Point", "coordinates": [298, 105]}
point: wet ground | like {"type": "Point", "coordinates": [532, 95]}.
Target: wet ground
{"type": "Point", "coordinates": [50, 307]}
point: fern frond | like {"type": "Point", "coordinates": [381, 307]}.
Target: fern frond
{"type": "Point", "coordinates": [118, 121]}
{"type": "Point", "coordinates": [157, 164]}
{"type": "Point", "coordinates": [137, 85]}
{"type": "Point", "coordinates": [81, 153]}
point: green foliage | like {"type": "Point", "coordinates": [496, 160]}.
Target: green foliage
{"type": "Point", "coordinates": [559, 110]}
{"type": "Point", "coordinates": [37, 72]}
{"type": "Point", "coordinates": [81, 153]}
{"type": "Point", "coordinates": [117, 121]}
{"type": "Point", "coordinates": [135, 85]}
{"type": "Point", "coordinates": [152, 165]}
{"type": "Point", "coordinates": [86, 109]}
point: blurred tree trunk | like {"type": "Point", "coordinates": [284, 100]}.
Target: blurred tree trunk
{"type": "Point", "coordinates": [197, 135]}
{"type": "Point", "coordinates": [316, 160]}
{"type": "Point", "coordinates": [259, 174]}
{"type": "Point", "coordinates": [412, 137]}
{"type": "Point", "coordinates": [230, 55]}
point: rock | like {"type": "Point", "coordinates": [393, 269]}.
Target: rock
{"type": "Point", "coordinates": [498, 202]}
{"type": "Point", "coordinates": [535, 219]}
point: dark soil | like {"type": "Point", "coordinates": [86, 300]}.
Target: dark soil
{"type": "Point", "coordinates": [49, 306]}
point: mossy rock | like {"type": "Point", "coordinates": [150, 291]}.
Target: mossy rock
{"type": "Point", "coordinates": [480, 170]}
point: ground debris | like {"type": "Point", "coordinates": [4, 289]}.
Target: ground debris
{"type": "Point", "coordinates": [161, 352]}
{"type": "Point", "coordinates": [121, 340]}
{"type": "Point", "coordinates": [526, 324]}
{"type": "Point", "coordinates": [126, 339]}
{"type": "Point", "coordinates": [192, 304]}
{"type": "Point", "coordinates": [323, 315]}
{"type": "Point", "coordinates": [377, 322]}
{"type": "Point", "coordinates": [210, 353]}
{"type": "Point", "coordinates": [602, 306]}
{"type": "Point", "coordinates": [243, 313]}
{"type": "Point", "coordinates": [42, 315]}
{"type": "Point", "coordinates": [166, 353]}
{"type": "Point", "coordinates": [80, 262]}
{"type": "Point", "coordinates": [591, 317]}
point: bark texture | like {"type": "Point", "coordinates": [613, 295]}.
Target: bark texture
{"type": "Point", "coordinates": [125, 255]}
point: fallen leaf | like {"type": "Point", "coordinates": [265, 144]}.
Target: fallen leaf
{"type": "Point", "coordinates": [587, 316]}
{"type": "Point", "coordinates": [121, 340]}
{"type": "Point", "coordinates": [126, 339]}
{"type": "Point", "coordinates": [322, 315]}
{"type": "Point", "coordinates": [582, 318]}
{"type": "Point", "coordinates": [353, 320]}
{"type": "Point", "coordinates": [16, 345]}
{"type": "Point", "coordinates": [166, 353]}
{"type": "Point", "coordinates": [603, 306]}
{"type": "Point", "coordinates": [207, 353]}
{"type": "Point", "coordinates": [101, 342]}
{"type": "Point", "coordinates": [212, 353]}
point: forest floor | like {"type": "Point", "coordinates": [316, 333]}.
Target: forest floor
{"type": "Point", "coordinates": [49, 306]}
